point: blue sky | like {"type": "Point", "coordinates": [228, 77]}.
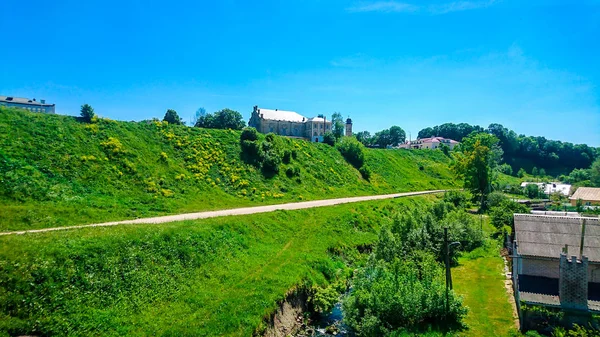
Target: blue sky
{"type": "Point", "coordinates": [533, 66]}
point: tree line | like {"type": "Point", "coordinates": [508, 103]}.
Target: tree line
{"type": "Point", "coordinates": [522, 151]}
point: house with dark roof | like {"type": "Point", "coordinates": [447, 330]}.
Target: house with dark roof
{"type": "Point", "coordinates": [589, 196]}
{"type": "Point", "coordinates": [556, 261]}
{"type": "Point", "coordinates": [27, 104]}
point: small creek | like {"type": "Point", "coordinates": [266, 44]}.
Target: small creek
{"type": "Point", "coordinates": [328, 325]}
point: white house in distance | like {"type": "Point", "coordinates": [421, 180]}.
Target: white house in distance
{"type": "Point", "coordinates": [429, 143]}
{"type": "Point", "coordinates": [549, 188]}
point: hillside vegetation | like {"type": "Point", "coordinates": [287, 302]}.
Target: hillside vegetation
{"type": "Point", "coordinates": [209, 277]}
{"type": "Point", "coordinates": [57, 171]}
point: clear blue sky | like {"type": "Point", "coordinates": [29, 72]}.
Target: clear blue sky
{"type": "Point", "coordinates": [533, 66]}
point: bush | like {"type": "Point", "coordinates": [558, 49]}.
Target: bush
{"type": "Point", "coordinates": [506, 169]}
{"type": "Point", "coordinates": [292, 171]}
{"type": "Point", "coordinates": [459, 199]}
{"type": "Point", "coordinates": [503, 214]}
{"type": "Point", "coordinates": [249, 134]}
{"type": "Point", "coordinates": [287, 156]}
{"type": "Point", "coordinates": [495, 199]}
{"type": "Point", "coordinates": [401, 294]}
{"type": "Point", "coordinates": [271, 162]}
{"type": "Point", "coordinates": [532, 191]}
{"type": "Point", "coordinates": [352, 150]}
{"type": "Point", "coordinates": [365, 172]}
{"type": "Point", "coordinates": [329, 139]}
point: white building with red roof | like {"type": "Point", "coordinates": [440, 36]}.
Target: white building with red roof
{"type": "Point", "coordinates": [429, 143]}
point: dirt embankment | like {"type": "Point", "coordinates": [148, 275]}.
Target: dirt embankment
{"type": "Point", "coordinates": [289, 317]}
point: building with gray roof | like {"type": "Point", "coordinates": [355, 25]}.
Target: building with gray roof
{"type": "Point", "coordinates": [27, 104]}
{"type": "Point", "coordinates": [291, 124]}
{"type": "Point", "coordinates": [556, 259]}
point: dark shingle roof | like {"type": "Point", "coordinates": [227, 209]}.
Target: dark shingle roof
{"type": "Point", "coordinates": [547, 235]}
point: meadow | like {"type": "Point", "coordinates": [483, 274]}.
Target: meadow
{"type": "Point", "coordinates": [58, 171]}
{"type": "Point", "coordinates": [219, 276]}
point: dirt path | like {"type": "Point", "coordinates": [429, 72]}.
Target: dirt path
{"type": "Point", "coordinates": [228, 212]}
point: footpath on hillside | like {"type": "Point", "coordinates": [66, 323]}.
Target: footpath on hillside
{"type": "Point", "coordinates": [234, 211]}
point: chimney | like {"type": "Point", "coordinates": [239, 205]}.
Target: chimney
{"type": "Point", "coordinates": [573, 283]}
{"type": "Point", "coordinates": [43, 101]}
{"type": "Point", "coordinates": [275, 109]}
{"type": "Point", "coordinates": [34, 99]}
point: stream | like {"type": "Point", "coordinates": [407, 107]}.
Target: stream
{"type": "Point", "coordinates": [328, 325]}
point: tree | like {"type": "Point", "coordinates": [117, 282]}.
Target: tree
{"type": "Point", "coordinates": [364, 137]}
{"type": "Point", "coordinates": [397, 135]}
{"type": "Point", "coordinates": [199, 113]}
{"type": "Point", "coordinates": [87, 113]}
{"type": "Point", "coordinates": [521, 173]}
{"type": "Point", "coordinates": [329, 138]}
{"type": "Point", "coordinates": [475, 162]}
{"type": "Point", "coordinates": [542, 172]}
{"type": "Point", "coordinates": [223, 119]}
{"type": "Point", "coordinates": [383, 138]}
{"type": "Point", "coordinates": [337, 125]}
{"type": "Point", "coordinates": [534, 171]}
{"type": "Point", "coordinates": [595, 173]}
{"type": "Point", "coordinates": [532, 191]}
{"type": "Point", "coordinates": [172, 117]}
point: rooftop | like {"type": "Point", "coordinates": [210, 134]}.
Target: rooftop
{"type": "Point", "coordinates": [587, 193]}
{"type": "Point", "coordinates": [21, 100]}
{"type": "Point", "coordinates": [547, 235]}
{"type": "Point", "coordinates": [281, 115]}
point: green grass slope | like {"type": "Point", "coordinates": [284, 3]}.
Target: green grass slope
{"type": "Point", "coordinates": [58, 171]}
{"type": "Point", "coordinates": [212, 277]}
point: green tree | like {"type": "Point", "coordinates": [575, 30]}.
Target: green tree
{"type": "Point", "coordinates": [352, 150]}
{"type": "Point", "coordinates": [542, 172]}
{"type": "Point", "coordinates": [397, 135]}
{"type": "Point", "coordinates": [364, 137]}
{"type": "Point", "coordinates": [595, 173]}
{"type": "Point", "coordinates": [329, 138]}
{"type": "Point", "coordinates": [535, 172]}
{"type": "Point", "coordinates": [223, 119]}
{"type": "Point", "coordinates": [479, 155]}
{"type": "Point", "coordinates": [172, 117]}
{"type": "Point", "coordinates": [87, 113]}
{"type": "Point", "coordinates": [521, 173]}
{"type": "Point", "coordinates": [532, 191]}
{"type": "Point", "coordinates": [337, 125]}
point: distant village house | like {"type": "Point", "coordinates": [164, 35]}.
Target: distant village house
{"type": "Point", "coordinates": [292, 124]}
{"type": "Point", "coordinates": [429, 143]}
{"type": "Point", "coordinates": [589, 196]}
{"type": "Point", "coordinates": [550, 188]}
{"type": "Point", "coordinates": [27, 104]}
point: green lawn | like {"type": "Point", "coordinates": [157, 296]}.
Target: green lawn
{"type": "Point", "coordinates": [57, 171]}
{"type": "Point", "coordinates": [479, 278]}
{"type": "Point", "coordinates": [207, 277]}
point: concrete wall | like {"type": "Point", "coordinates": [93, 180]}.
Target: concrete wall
{"type": "Point", "coordinates": [539, 267]}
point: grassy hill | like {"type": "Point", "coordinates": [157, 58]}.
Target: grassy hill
{"type": "Point", "coordinates": [58, 171]}
{"type": "Point", "coordinates": [211, 277]}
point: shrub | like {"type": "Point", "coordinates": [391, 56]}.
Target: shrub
{"type": "Point", "coordinates": [352, 150]}
{"type": "Point", "coordinates": [249, 134]}
{"type": "Point", "coordinates": [292, 171]}
{"type": "Point", "coordinates": [503, 214]}
{"type": "Point", "coordinates": [329, 138]}
{"type": "Point", "coordinates": [459, 199]}
{"type": "Point", "coordinates": [365, 172]}
{"type": "Point", "coordinates": [287, 156]}
{"type": "Point", "coordinates": [271, 162]}
{"type": "Point", "coordinates": [495, 199]}
{"type": "Point", "coordinates": [532, 191]}
{"type": "Point", "coordinates": [521, 173]}
{"type": "Point", "coordinates": [506, 169]}
{"type": "Point", "coordinates": [401, 294]}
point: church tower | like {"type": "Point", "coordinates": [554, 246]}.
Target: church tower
{"type": "Point", "coordinates": [348, 127]}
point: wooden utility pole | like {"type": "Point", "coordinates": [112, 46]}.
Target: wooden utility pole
{"type": "Point", "coordinates": [448, 276]}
